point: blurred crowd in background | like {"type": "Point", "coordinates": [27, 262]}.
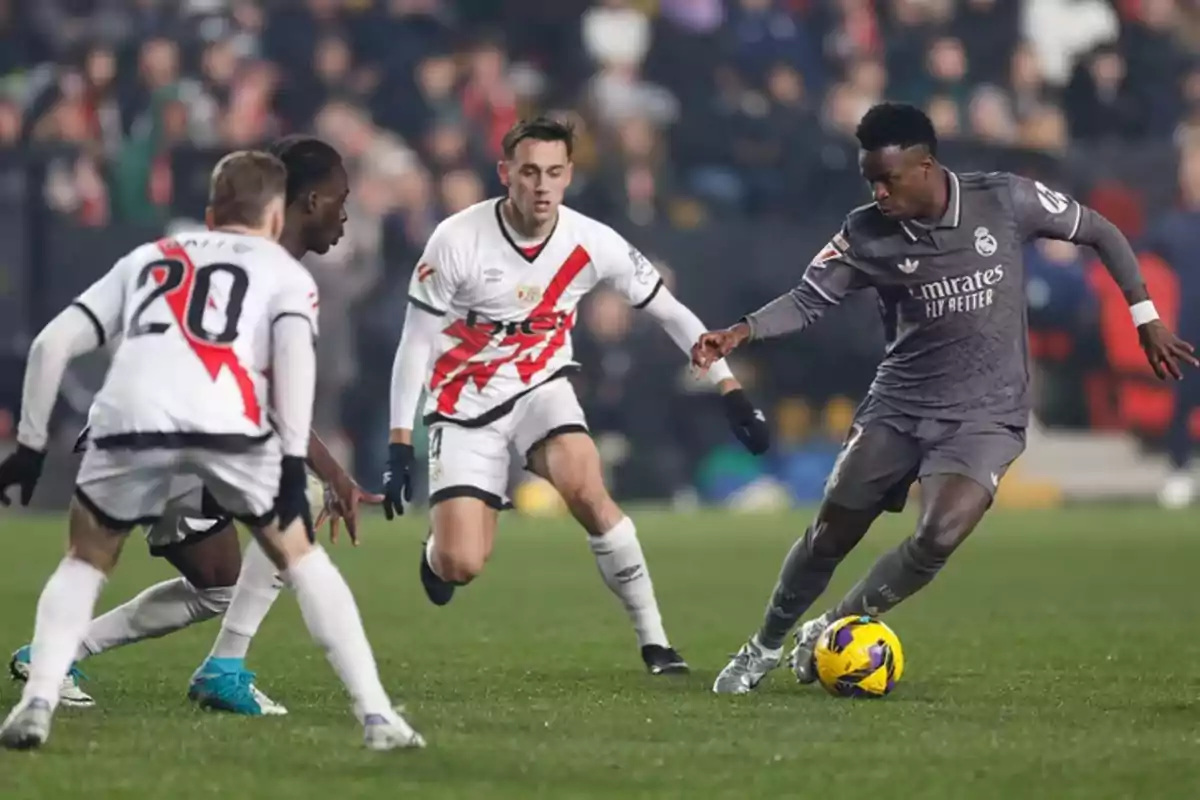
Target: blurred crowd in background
{"type": "Point", "coordinates": [693, 116]}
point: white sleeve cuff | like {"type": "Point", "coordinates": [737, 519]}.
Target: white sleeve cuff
{"type": "Point", "coordinates": [684, 328]}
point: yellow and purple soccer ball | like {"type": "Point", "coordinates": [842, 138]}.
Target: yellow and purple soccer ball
{"type": "Point", "coordinates": [859, 657]}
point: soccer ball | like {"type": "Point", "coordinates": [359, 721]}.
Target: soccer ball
{"type": "Point", "coordinates": [318, 499]}
{"type": "Point", "coordinates": [859, 657]}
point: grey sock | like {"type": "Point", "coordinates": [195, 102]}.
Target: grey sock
{"type": "Point", "coordinates": [802, 580]}
{"type": "Point", "coordinates": [896, 576]}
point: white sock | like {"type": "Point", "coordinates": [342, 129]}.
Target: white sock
{"type": "Point", "coordinates": [63, 613]}
{"type": "Point", "coordinates": [332, 618]}
{"type": "Point", "coordinates": [161, 609]}
{"type": "Point", "coordinates": [623, 567]}
{"type": "Point", "coordinates": [257, 587]}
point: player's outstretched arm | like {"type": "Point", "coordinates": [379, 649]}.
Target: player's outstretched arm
{"type": "Point", "coordinates": [1165, 351]}
{"type": "Point", "coordinates": [72, 333]}
{"type": "Point", "coordinates": [749, 424]}
{"type": "Point", "coordinates": [1045, 212]}
{"type": "Point", "coordinates": [409, 370]}
{"type": "Point", "coordinates": [825, 284]}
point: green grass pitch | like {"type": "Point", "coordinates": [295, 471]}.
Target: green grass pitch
{"type": "Point", "coordinates": [1058, 656]}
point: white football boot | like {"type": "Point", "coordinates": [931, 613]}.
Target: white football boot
{"type": "Point", "coordinates": [1178, 491]}
{"type": "Point", "coordinates": [390, 732]}
{"type": "Point", "coordinates": [747, 668]}
{"type": "Point", "coordinates": [27, 726]}
{"type": "Point", "coordinates": [69, 694]}
{"type": "Point", "coordinates": [801, 657]}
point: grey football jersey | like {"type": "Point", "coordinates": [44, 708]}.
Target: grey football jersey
{"type": "Point", "coordinates": [952, 295]}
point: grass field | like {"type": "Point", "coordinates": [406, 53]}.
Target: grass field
{"type": "Point", "coordinates": [1058, 657]}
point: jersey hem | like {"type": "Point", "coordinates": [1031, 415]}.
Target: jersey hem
{"type": "Point", "coordinates": [181, 440]}
{"type": "Point", "coordinates": [500, 411]}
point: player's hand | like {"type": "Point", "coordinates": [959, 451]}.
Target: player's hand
{"type": "Point", "coordinates": [343, 506]}
{"type": "Point", "coordinates": [1165, 351]}
{"type": "Point", "coordinates": [22, 468]}
{"type": "Point", "coordinates": [749, 424]}
{"type": "Point", "coordinates": [397, 479]}
{"type": "Point", "coordinates": [712, 346]}
{"type": "Point", "coordinates": [292, 502]}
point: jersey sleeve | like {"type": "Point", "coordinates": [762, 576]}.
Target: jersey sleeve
{"type": "Point", "coordinates": [435, 280]}
{"type": "Point", "coordinates": [1043, 212]}
{"type": "Point", "coordinates": [835, 272]}
{"type": "Point", "coordinates": [830, 277]}
{"type": "Point", "coordinates": [626, 269]}
{"type": "Point", "coordinates": [104, 301]}
{"type": "Point", "coordinates": [297, 297]}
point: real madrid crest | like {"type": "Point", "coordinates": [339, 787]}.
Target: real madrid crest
{"type": "Point", "coordinates": [985, 243]}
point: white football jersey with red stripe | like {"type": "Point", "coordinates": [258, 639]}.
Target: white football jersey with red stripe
{"type": "Point", "coordinates": [509, 310]}
{"type": "Point", "coordinates": [194, 315]}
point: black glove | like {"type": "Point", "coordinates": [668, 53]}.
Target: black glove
{"type": "Point", "coordinates": [748, 423]}
{"type": "Point", "coordinates": [22, 468]}
{"type": "Point", "coordinates": [292, 502]}
{"type": "Point", "coordinates": [397, 479]}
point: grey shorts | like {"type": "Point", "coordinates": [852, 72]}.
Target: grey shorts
{"type": "Point", "coordinates": [888, 450]}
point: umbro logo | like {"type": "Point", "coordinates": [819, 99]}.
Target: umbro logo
{"type": "Point", "coordinates": [908, 266]}
{"type": "Point", "coordinates": [629, 574]}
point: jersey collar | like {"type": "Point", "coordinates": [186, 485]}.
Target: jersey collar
{"type": "Point", "coordinates": [950, 219]}
{"type": "Point", "coordinates": [521, 251]}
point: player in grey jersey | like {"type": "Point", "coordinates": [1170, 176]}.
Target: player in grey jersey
{"type": "Point", "coordinates": [950, 401]}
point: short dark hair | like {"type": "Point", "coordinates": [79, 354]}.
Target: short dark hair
{"type": "Point", "coordinates": [309, 162]}
{"type": "Point", "coordinates": [541, 129]}
{"type": "Point", "coordinates": [896, 125]}
{"type": "Point", "coordinates": [243, 184]}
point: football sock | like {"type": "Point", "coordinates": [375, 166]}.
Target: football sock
{"type": "Point", "coordinates": [258, 585]}
{"type": "Point", "coordinates": [623, 568]}
{"type": "Point", "coordinates": [802, 580]}
{"type": "Point", "coordinates": [161, 609]}
{"type": "Point", "coordinates": [897, 575]}
{"type": "Point", "coordinates": [63, 613]}
{"type": "Point", "coordinates": [332, 617]}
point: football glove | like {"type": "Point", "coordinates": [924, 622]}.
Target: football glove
{"type": "Point", "coordinates": [22, 468]}
{"type": "Point", "coordinates": [749, 424]}
{"type": "Point", "coordinates": [397, 479]}
{"type": "Point", "coordinates": [292, 502]}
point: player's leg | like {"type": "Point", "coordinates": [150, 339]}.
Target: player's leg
{"type": "Point", "coordinates": [959, 477]}
{"type": "Point", "coordinates": [873, 473]}
{"type": "Point", "coordinates": [115, 491]}
{"type": "Point", "coordinates": [247, 485]}
{"type": "Point", "coordinates": [207, 561]}
{"type": "Point", "coordinates": [222, 682]}
{"type": "Point", "coordinates": [551, 431]}
{"type": "Point", "coordinates": [468, 476]}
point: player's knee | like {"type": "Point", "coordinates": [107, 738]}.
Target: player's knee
{"type": "Point", "coordinates": [836, 531]}
{"type": "Point", "coordinates": [940, 533]}
{"type": "Point", "coordinates": [459, 566]}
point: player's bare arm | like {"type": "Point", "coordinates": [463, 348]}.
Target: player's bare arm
{"type": "Point", "coordinates": [347, 494]}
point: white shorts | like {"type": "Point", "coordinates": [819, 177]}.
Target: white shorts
{"type": "Point", "coordinates": [474, 462]}
{"type": "Point", "coordinates": [126, 488]}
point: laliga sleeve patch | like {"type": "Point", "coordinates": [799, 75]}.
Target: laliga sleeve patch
{"type": "Point", "coordinates": [1052, 201]}
{"type": "Point", "coordinates": [643, 270]}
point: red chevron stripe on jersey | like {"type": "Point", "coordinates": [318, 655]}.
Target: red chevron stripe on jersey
{"type": "Point", "coordinates": [214, 357]}
{"type": "Point", "coordinates": [453, 369]}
